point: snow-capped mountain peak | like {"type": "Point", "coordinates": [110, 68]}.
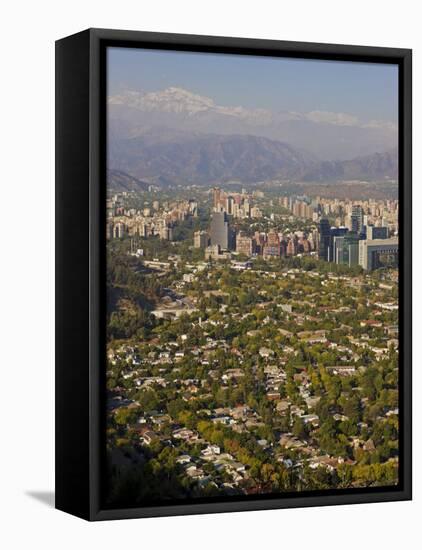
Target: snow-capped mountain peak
{"type": "Point", "coordinates": [179, 100]}
{"type": "Point", "coordinates": [329, 135]}
{"type": "Point", "coordinates": [170, 100]}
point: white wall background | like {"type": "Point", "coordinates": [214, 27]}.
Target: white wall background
{"type": "Point", "coordinates": [29, 29]}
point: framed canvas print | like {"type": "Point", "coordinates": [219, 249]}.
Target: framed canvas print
{"type": "Point", "coordinates": [233, 274]}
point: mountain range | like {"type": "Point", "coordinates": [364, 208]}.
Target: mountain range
{"type": "Point", "coordinates": [121, 181]}
{"type": "Point", "coordinates": [209, 158]}
{"type": "Point", "coordinates": [327, 135]}
{"type": "Point", "coordinates": [176, 137]}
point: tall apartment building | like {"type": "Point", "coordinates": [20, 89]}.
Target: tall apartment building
{"type": "Point", "coordinates": [216, 196]}
{"type": "Point", "coordinates": [200, 239]}
{"type": "Point", "coordinates": [302, 210]}
{"type": "Point", "coordinates": [244, 244]}
{"type": "Point", "coordinates": [324, 233]}
{"type": "Point", "coordinates": [357, 218]}
{"type": "Point", "coordinates": [220, 232]}
{"type": "Point", "coordinates": [272, 246]}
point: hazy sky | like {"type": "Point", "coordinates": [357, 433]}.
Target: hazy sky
{"type": "Point", "coordinates": [366, 90]}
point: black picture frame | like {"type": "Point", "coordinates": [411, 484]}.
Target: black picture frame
{"type": "Point", "coordinates": [80, 267]}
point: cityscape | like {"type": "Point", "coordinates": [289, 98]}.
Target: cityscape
{"type": "Point", "coordinates": [364, 234]}
{"type": "Point", "coordinates": [252, 295]}
{"type": "Point", "coordinates": [264, 354]}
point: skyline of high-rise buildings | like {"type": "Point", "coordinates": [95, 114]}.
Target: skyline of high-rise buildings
{"type": "Point", "coordinates": [335, 228]}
